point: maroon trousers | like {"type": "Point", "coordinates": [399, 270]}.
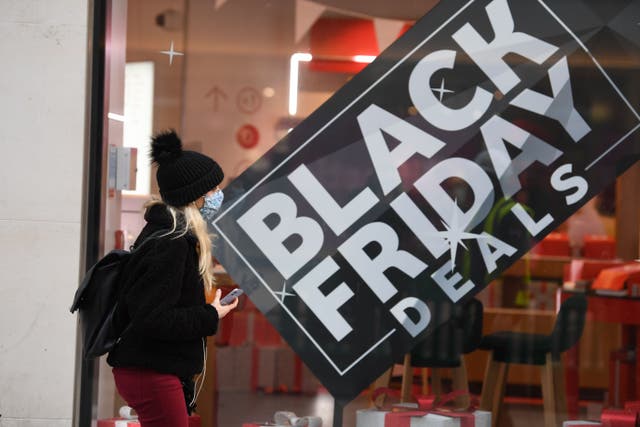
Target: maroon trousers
{"type": "Point", "coordinates": [158, 399]}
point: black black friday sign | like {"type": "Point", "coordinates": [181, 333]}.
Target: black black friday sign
{"type": "Point", "coordinates": [357, 232]}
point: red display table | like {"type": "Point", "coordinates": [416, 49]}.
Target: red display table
{"type": "Point", "coordinates": [624, 311]}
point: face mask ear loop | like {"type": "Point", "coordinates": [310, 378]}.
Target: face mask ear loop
{"type": "Point", "coordinates": [202, 376]}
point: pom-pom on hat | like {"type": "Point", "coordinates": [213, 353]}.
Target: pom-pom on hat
{"type": "Point", "coordinates": [183, 176]}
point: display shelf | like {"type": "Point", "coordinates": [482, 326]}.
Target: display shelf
{"type": "Point", "coordinates": [539, 267]}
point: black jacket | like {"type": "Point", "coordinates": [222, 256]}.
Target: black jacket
{"type": "Point", "coordinates": [163, 298]}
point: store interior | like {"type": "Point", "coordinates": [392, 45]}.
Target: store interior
{"type": "Point", "coordinates": [233, 77]}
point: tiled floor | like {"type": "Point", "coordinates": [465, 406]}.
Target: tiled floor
{"type": "Point", "coordinates": [236, 408]}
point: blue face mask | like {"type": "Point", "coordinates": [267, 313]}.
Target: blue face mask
{"type": "Point", "coordinates": [211, 205]}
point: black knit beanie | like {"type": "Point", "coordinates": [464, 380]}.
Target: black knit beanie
{"type": "Point", "coordinates": [183, 176]}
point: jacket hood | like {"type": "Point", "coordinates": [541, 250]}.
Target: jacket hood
{"type": "Point", "coordinates": [159, 216]}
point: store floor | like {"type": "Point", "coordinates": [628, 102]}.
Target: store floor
{"type": "Point", "coordinates": [236, 408]}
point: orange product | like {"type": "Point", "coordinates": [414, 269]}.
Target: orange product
{"type": "Point", "coordinates": [618, 278]}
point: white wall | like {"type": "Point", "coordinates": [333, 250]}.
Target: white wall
{"type": "Point", "coordinates": [231, 49]}
{"type": "Point", "coordinates": [43, 46]}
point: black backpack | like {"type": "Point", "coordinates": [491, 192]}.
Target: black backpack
{"type": "Point", "coordinates": [96, 300]}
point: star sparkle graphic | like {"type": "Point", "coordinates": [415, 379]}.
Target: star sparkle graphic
{"type": "Point", "coordinates": [171, 52]}
{"type": "Point", "coordinates": [455, 235]}
{"type": "Point", "coordinates": [283, 292]}
{"type": "Point", "coordinates": [441, 90]}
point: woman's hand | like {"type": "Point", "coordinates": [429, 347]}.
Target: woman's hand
{"type": "Point", "coordinates": [223, 310]}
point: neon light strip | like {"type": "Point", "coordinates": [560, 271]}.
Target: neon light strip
{"type": "Point", "coordinates": [294, 71]}
{"type": "Point", "coordinates": [363, 59]}
{"type": "Point", "coordinates": [116, 117]}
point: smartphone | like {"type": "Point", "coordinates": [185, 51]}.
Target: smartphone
{"type": "Point", "coordinates": [228, 299]}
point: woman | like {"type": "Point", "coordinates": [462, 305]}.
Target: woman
{"type": "Point", "coordinates": [162, 308]}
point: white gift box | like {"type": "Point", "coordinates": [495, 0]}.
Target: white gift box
{"type": "Point", "coordinates": [375, 418]}
{"type": "Point", "coordinates": [580, 423]}
{"type": "Point", "coordinates": [263, 424]}
{"type": "Point", "coordinates": [288, 418]}
{"type": "Point", "coordinates": [370, 417]}
{"type": "Point", "coordinates": [482, 419]}
{"type": "Point", "coordinates": [234, 368]}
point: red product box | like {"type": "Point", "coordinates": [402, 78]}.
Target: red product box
{"type": "Point", "coordinates": [619, 278]}
{"type": "Point", "coordinates": [286, 369]}
{"type": "Point", "coordinates": [599, 247]}
{"type": "Point", "coordinates": [264, 334]}
{"type": "Point", "coordinates": [619, 418]}
{"type": "Point", "coordinates": [554, 244]}
{"type": "Point", "coordinates": [305, 382]}
{"type": "Point", "coordinates": [225, 327]}
{"type": "Point", "coordinates": [582, 270]}
{"type": "Point", "coordinates": [632, 405]}
{"type": "Point", "coordinates": [264, 369]}
{"type": "Point", "coordinates": [234, 365]}
{"type": "Point", "coordinates": [242, 328]}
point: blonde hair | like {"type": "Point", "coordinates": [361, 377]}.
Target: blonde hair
{"type": "Point", "coordinates": [193, 222]}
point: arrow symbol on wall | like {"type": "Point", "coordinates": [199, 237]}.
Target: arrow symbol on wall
{"type": "Point", "coordinates": [217, 94]}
